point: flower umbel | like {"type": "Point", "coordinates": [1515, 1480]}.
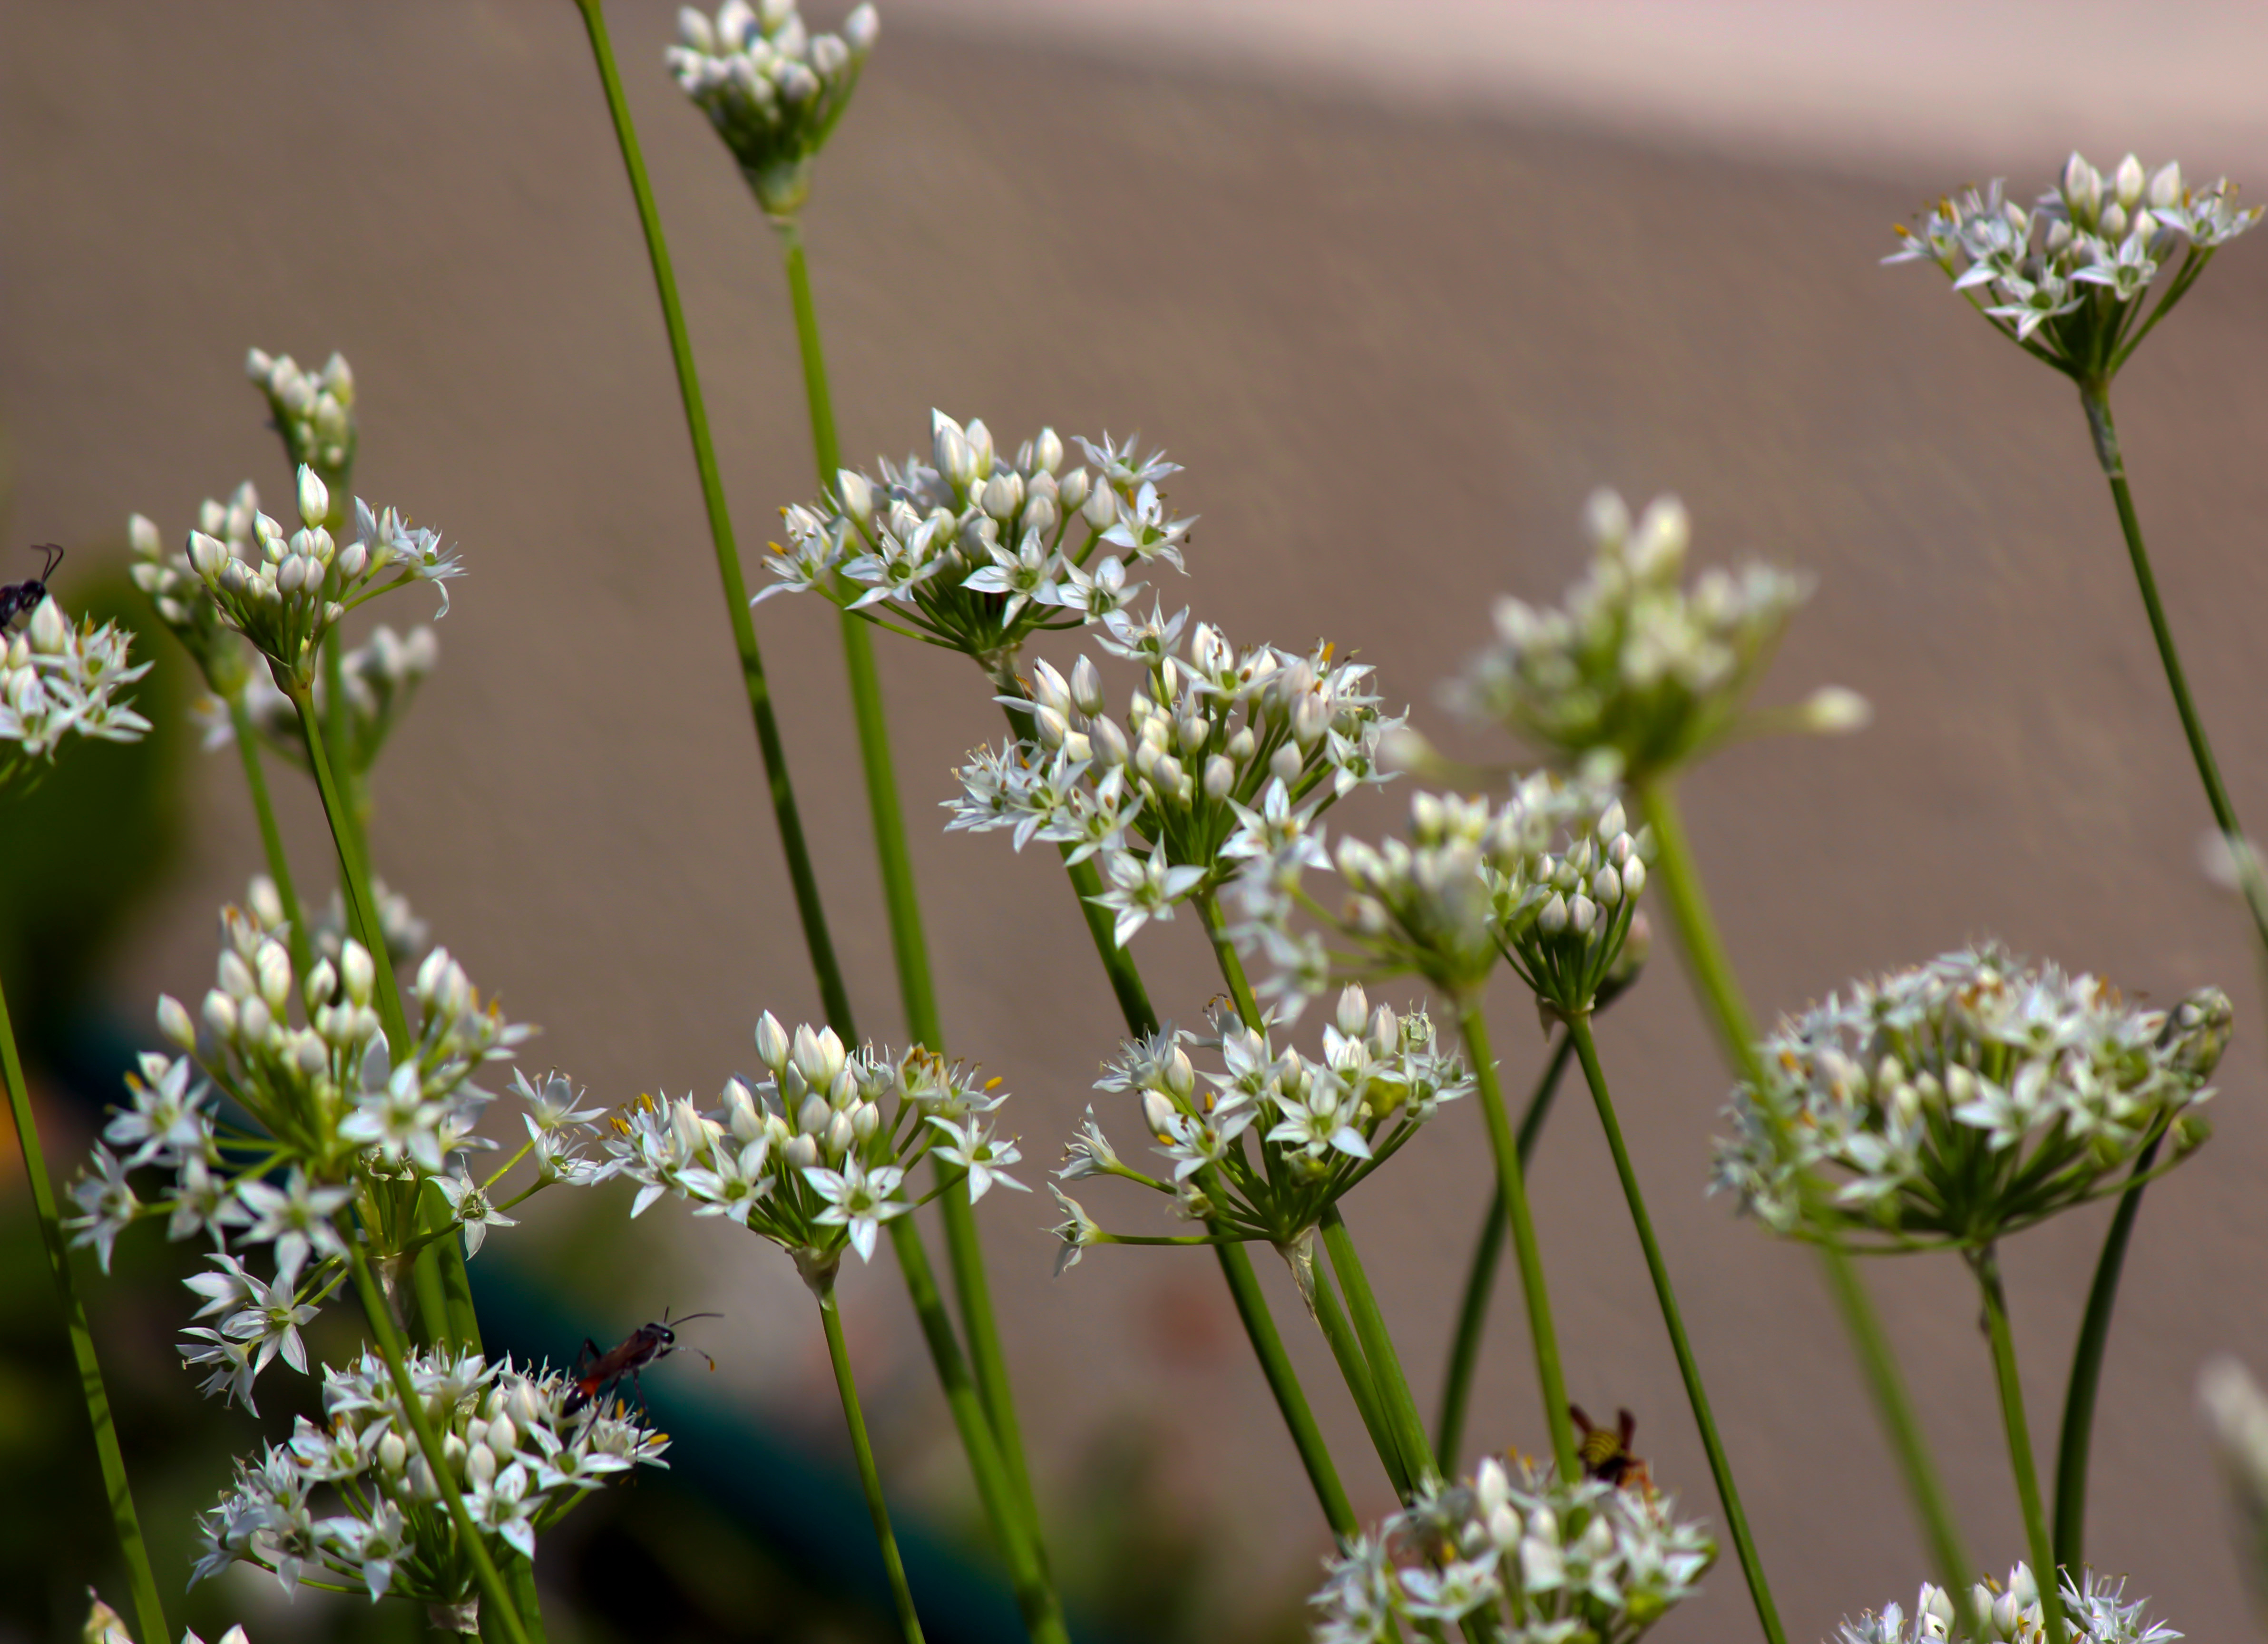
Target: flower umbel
{"type": "Point", "coordinates": [772, 89]}
{"type": "Point", "coordinates": [60, 679]}
{"type": "Point", "coordinates": [2095, 1611]}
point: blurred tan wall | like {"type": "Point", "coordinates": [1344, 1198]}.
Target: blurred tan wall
{"type": "Point", "coordinates": [1395, 349]}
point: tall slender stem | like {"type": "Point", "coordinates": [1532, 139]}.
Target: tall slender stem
{"type": "Point", "coordinates": [1721, 1466]}
{"type": "Point", "coordinates": [1362, 1387]}
{"type": "Point", "coordinates": [493, 1592]}
{"type": "Point", "coordinates": [835, 998]}
{"type": "Point", "coordinates": [966, 1253]}
{"type": "Point", "coordinates": [909, 1622]}
{"type": "Point", "coordinates": [1480, 1275]}
{"type": "Point", "coordinates": [271, 837]}
{"type": "Point", "coordinates": [140, 1581]}
{"type": "Point", "coordinates": [1986, 1264]}
{"type": "Point", "coordinates": [1395, 1404]}
{"type": "Point", "coordinates": [1019, 1531]}
{"type": "Point", "coordinates": [2076, 1438]}
{"type": "Point", "coordinates": [1714, 981]}
{"type": "Point", "coordinates": [1231, 966]}
{"type": "Point", "coordinates": [1284, 1383]}
{"type": "Point", "coordinates": [1512, 1185]}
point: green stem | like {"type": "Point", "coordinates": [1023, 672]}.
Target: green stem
{"type": "Point", "coordinates": [909, 1622]}
{"type": "Point", "coordinates": [271, 837]}
{"type": "Point", "coordinates": [337, 720]}
{"type": "Point", "coordinates": [2076, 1438]}
{"type": "Point", "coordinates": [1361, 1385]}
{"type": "Point", "coordinates": [527, 1604]}
{"type": "Point", "coordinates": [835, 998]}
{"type": "Point", "coordinates": [494, 1594]}
{"type": "Point", "coordinates": [1713, 980]}
{"type": "Point", "coordinates": [1986, 1264]}
{"type": "Point", "coordinates": [1284, 1383]}
{"type": "Point", "coordinates": [1480, 1276]}
{"type": "Point", "coordinates": [2095, 398]}
{"type": "Point", "coordinates": [1512, 1183]}
{"type": "Point", "coordinates": [966, 1252]}
{"type": "Point", "coordinates": [1018, 1533]}
{"type": "Point", "coordinates": [1232, 964]}
{"type": "Point", "coordinates": [1721, 1466]}
{"type": "Point", "coordinates": [148, 1611]}
{"type": "Point", "coordinates": [1399, 1409]}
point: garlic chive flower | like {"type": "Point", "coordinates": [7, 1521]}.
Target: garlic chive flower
{"type": "Point", "coordinates": [314, 410]}
{"type": "Point", "coordinates": [1516, 1554]}
{"type": "Point", "coordinates": [2095, 1611]}
{"type": "Point", "coordinates": [772, 89]}
{"type": "Point", "coordinates": [1962, 1100]}
{"type": "Point", "coordinates": [284, 594]}
{"type": "Point", "coordinates": [326, 1140]}
{"type": "Point", "coordinates": [815, 1156]}
{"type": "Point", "coordinates": [2071, 280]}
{"type": "Point", "coordinates": [1278, 1137]}
{"type": "Point", "coordinates": [1635, 672]}
{"type": "Point", "coordinates": [58, 679]}
{"type": "Point", "coordinates": [2236, 1411]}
{"type": "Point", "coordinates": [352, 1501]}
{"type": "Point", "coordinates": [1221, 755]}
{"type": "Point", "coordinates": [976, 551]}
{"type": "Point", "coordinates": [182, 601]}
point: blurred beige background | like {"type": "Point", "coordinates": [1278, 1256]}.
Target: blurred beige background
{"type": "Point", "coordinates": [1399, 288]}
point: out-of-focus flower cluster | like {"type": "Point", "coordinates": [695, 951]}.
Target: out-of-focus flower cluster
{"type": "Point", "coordinates": [1954, 1102]}
{"type": "Point", "coordinates": [2237, 1411]}
{"type": "Point", "coordinates": [2095, 1611]}
{"type": "Point", "coordinates": [284, 594]}
{"type": "Point", "coordinates": [2068, 278]}
{"type": "Point", "coordinates": [320, 1126]}
{"type": "Point", "coordinates": [772, 89]}
{"type": "Point", "coordinates": [1530, 1558]}
{"type": "Point", "coordinates": [1635, 672]}
{"type": "Point", "coordinates": [60, 678]}
{"type": "Point", "coordinates": [1222, 754]}
{"type": "Point", "coordinates": [182, 601]}
{"type": "Point", "coordinates": [381, 676]}
{"type": "Point", "coordinates": [354, 1500]}
{"type": "Point", "coordinates": [1549, 880]}
{"type": "Point", "coordinates": [1321, 1124]}
{"type": "Point", "coordinates": [814, 1156]}
{"type": "Point", "coordinates": [314, 410]}
{"type": "Point", "coordinates": [977, 551]}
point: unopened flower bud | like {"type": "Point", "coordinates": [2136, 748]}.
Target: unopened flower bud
{"type": "Point", "coordinates": [813, 1115]}
{"type": "Point", "coordinates": [503, 1437]}
{"type": "Point", "coordinates": [323, 982]}
{"type": "Point", "coordinates": [949, 449]}
{"type": "Point", "coordinates": [1072, 490]}
{"type": "Point", "coordinates": [1108, 742]}
{"type": "Point", "coordinates": [1004, 494]}
{"type": "Point", "coordinates": [273, 968]}
{"type": "Point", "coordinates": [980, 446]}
{"type": "Point", "coordinates": [2127, 182]}
{"type": "Point", "coordinates": [1181, 1077]}
{"type": "Point", "coordinates": [1553, 917]}
{"type": "Point", "coordinates": [1286, 762]}
{"type": "Point", "coordinates": [353, 560]}
{"type": "Point", "coordinates": [173, 1023]}
{"type": "Point", "coordinates": [49, 632]}
{"type": "Point", "coordinates": [866, 1119]}
{"type": "Point", "coordinates": [1311, 717]}
{"type": "Point", "coordinates": [772, 1042]}
{"type": "Point", "coordinates": [1219, 776]}
{"type": "Point", "coordinates": [1087, 687]}
{"type": "Point", "coordinates": [392, 1453]}
{"type": "Point", "coordinates": [2082, 190]}
{"type": "Point", "coordinates": [840, 1134]}
{"type": "Point", "coordinates": [1101, 511]}
{"type": "Point", "coordinates": [2166, 186]}
{"type": "Point", "coordinates": [1607, 886]}
{"type": "Point", "coordinates": [356, 971]}
{"type": "Point", "coordinates": [800, 1152]}
{"type": "Point", "coordinates": [220, 1015]}
{"type": "Point", "coordinates": [1633, 874]}
{"type": "Point", "coordinates": [314, 496]}
{"type": "Point", "coordinates": [1158, 1113]}
{"type": "Point", "coordinates": [819, 1056]}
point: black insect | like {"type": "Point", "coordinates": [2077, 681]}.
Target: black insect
{"type": "Point", "coordinates": [598, 1373]}
{"type": "Point", "coordinates": [21, 598]}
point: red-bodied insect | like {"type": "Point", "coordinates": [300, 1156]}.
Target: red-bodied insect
{"type": "Point", "coordinates": [21, 598]}
{"type": "Point", "coordinates": [1605, 1452]}
{"type": "Point", "coordinates": [598, 1373]}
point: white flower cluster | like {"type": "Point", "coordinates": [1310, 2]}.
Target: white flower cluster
{"type": "Point", "coordinates": [2237, 1411]}
{"type": "Point", "coordinates": [2095, 1607]}
{"type": "Point", "coordinates": [381, 676]}
{"type": "Point", "coordinates": [313, 411]}
{"type": "Point", "coordinates": [977, 551]}
{"type": "Point", "coordinates": [1222, 754]}
{"type": "Point", "coordinates": [331, 1117]}
{"type": "Point", "coordinates": [1531, 1560]}
{"type": "Point", "coordinates": [1472, 883]}
{"type": "Point", "coordinates": [1322, 1126]}
{"type": "Point", "coordinates": [105, 1625]}
{"type": "Point", "coordinates": [2066, 278]}
{"type": "Point", "coordinates": [284, 594]}
{"type": "Point", "coordinates": [1636, 672]}
{"type": "Point", "coordinates": [814, 1157]}
{"type": "Point", "coordinates": [1954, 1102]}
{"type": "Point", "coordinates": [182, 601]}
{"type": "Point", "coordinates": [353, 1500]}
{"type": "Point", "coordinates": [772, 89]}
{"type": "Point", "coordinates": [60, 679]}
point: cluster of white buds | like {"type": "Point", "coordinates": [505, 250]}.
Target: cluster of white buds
{"type": "Point", "coordinates": [285, 593]}
{"type": "Point", "coordinates": [2067, 278]}
{"type": "Point", "coordinates": [60, 679]}
{"type": "Point", "coordinates": [313, 411]}
{"type": "Point", "coordinates": [772, 89]}
{"type": "Point", "coordinates": [1637, 674]}
{"type": "Point", "coordinates": [334, 1122]}
{"type": "Point", "coordinates": [105, 1625]}
{"type": "Point", "coordinates": [381, 676]}
{"type": "Point", "coordinates": [355, 1500]}
{"type": "Point", "coordinates": [814, 1156]}
{"type": "Point", "coordinates": [2095, 1611]}
{"type": "Point", "coordinates": [182, 601]}
{"type": "Point", "coordinates": [1516, 1554]}
{"type": "Point", "coordinates": [1321, 1124]}
{"type": "Point", "coordinates": [1221, 755]}
{"type": "Point", "coordinates": [2237, 1413]}
{"type": "Point", "coordinates": [978, 552]}
{"type": "Point", "coordinates": [1953, 1102]}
